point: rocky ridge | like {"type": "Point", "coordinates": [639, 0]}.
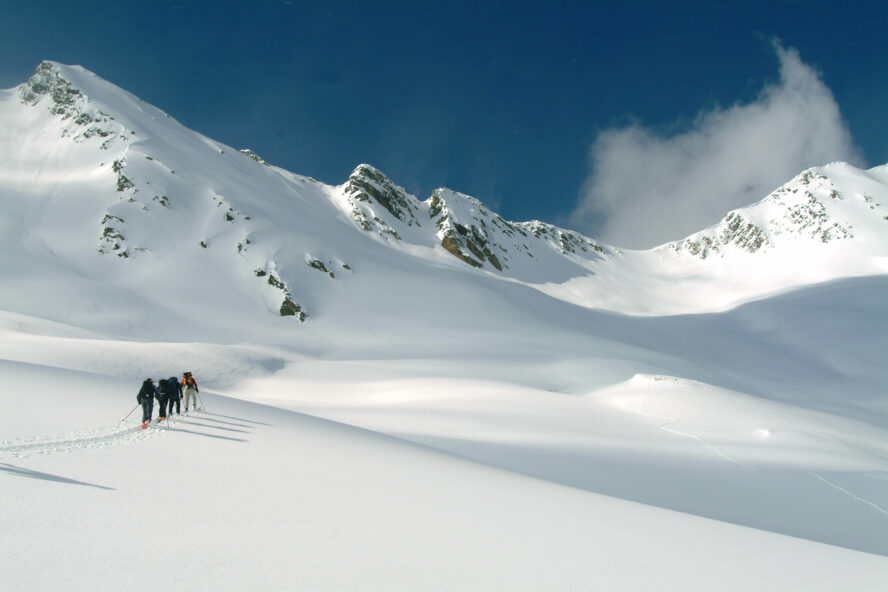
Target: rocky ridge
{"type": "Point", "coordinates": [805, 208]}
{"type": "Point", "coordinates": [462, 225]}
{"type": "Point", "coordinates": [70, 104]}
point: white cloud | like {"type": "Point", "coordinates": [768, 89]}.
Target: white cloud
{"type": "Point", "coordinates": [644, 189]}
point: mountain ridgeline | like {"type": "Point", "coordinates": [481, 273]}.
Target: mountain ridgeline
{"type": "Point", "coordinates": [132, 187]}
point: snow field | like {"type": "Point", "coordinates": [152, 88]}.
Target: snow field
{"type": "Point", "coordinates": [244, 496]}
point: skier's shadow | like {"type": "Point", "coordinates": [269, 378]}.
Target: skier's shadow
{"type": "Point", "coordinates": [217, 436]}
{"type": "Point", "coordinates": [205, 418]}
{"type": "Point", "coordinates": [210, 426]}
{"type": "Point", "coordinates": [237, 419]}
{"type": "Point", "coordinates": [23, 472]}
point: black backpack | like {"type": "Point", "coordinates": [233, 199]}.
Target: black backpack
{"type": "Point", "coordinates": [146, 392]}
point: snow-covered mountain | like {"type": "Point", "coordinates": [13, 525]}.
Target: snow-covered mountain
{"type": "Point", "coordinates": [92, 171]}
{"type": "Point", "coordinates": [736, 375]}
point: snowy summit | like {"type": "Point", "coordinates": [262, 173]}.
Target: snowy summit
{"type": "Point", "coordinates": [413, 393]}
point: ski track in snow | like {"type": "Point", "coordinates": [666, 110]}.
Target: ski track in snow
{"type": "Point", "coordinates": [99, 437]}
{"type": "Point", "coordinates": [669, 420]}
{"type": "Point", "coordinates": [851, 494]}
{"type": "Point", "coordinates": [665, 427]}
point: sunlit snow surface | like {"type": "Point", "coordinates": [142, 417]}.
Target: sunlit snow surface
{"type": "Point", "coordinates": [634, 413]}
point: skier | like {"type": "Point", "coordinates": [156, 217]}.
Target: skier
{"type": "Point", "coordinates": [146, 399]}
{"type": "Point", "coordinates": [162, 397]}
{"type": "Point", "coordinates": [191, 390]}
{"type": "Point", "coordinates": [174, 394]}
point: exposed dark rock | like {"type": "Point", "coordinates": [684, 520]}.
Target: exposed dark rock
{"type": "Point", "coordinates": [487, 238]}
{"type": "Point", "coordinates": [66, 101]}
{"type": "Point", "coordinates": [367, 184]}
{"type": "Point", "coordinates": [252, 155]}
{"type": "Point", "coordinates": [738, 230]}
{"type": "Point", "coordinates": [123, 182]}
{"type": "Point", "coordinates": [448, 243]}
{"type": "Point", "coordinates": [47, 81]}
{"type": "Point", "coordinates": [291, 309]}
{"type": "Point", "coordinates": [319, 265]}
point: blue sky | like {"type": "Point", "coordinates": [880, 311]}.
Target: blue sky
{"type": "Point", "coordinates": [578, 113]}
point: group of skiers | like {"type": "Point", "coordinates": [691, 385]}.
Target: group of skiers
{"type": "Point", "coordinates": [167, 392]}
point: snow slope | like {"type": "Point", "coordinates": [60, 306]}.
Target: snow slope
{"type": "Point", "coordinates": [244, 496]}
{"type": "Point", "coordinates": [544, 412]}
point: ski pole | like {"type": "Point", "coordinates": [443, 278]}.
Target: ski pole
{"type": "Point", "coordinates": [199, 398]}
{"type": "Point", "coordinates": [130, 413]}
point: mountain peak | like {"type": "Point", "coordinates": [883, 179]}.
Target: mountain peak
{"type": "Point", "coordinates": [369, 185]}
{"type": "Point", "coordinates": [368, 170]}
{"type": "Point", "coordinates": [821, 204]}
{"type": "Point", "coordinates": [64, 91]}
{"type": "Point", "coordinates": [48, 80]}
{"type": "Point", "coordinates": [477, 236]}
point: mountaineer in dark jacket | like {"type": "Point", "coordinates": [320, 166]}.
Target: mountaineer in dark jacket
{"type": "Point", "coordinates": [174, 394]}
{"type": "Point", "coordinates": [162, 399]}
{"type": "Point", "coordinates": [146, 400]}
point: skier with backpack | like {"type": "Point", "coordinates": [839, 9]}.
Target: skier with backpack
{"type": "Point", "coordinates": [191, 390]}
{"type": "Point", "coordinates": [145, 398]}
{"type": "Point", "coordinates": [162, 397]}
{"type": "Point", "coordinates": [174, 394]}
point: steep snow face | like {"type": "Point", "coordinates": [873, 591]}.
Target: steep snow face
{"type": "Point", "coordinates": [115, 195]}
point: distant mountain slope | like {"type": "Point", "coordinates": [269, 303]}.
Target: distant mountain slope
{"type": "Point", "coordinates": [833, 203]}
{"type": "Point", "coordinates": [99, 188]}
{"type": "Point", "coordinates": [828, 223]}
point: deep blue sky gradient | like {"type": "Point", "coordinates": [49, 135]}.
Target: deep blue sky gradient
{"type": "Point", "coordinates": [500, 100]}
